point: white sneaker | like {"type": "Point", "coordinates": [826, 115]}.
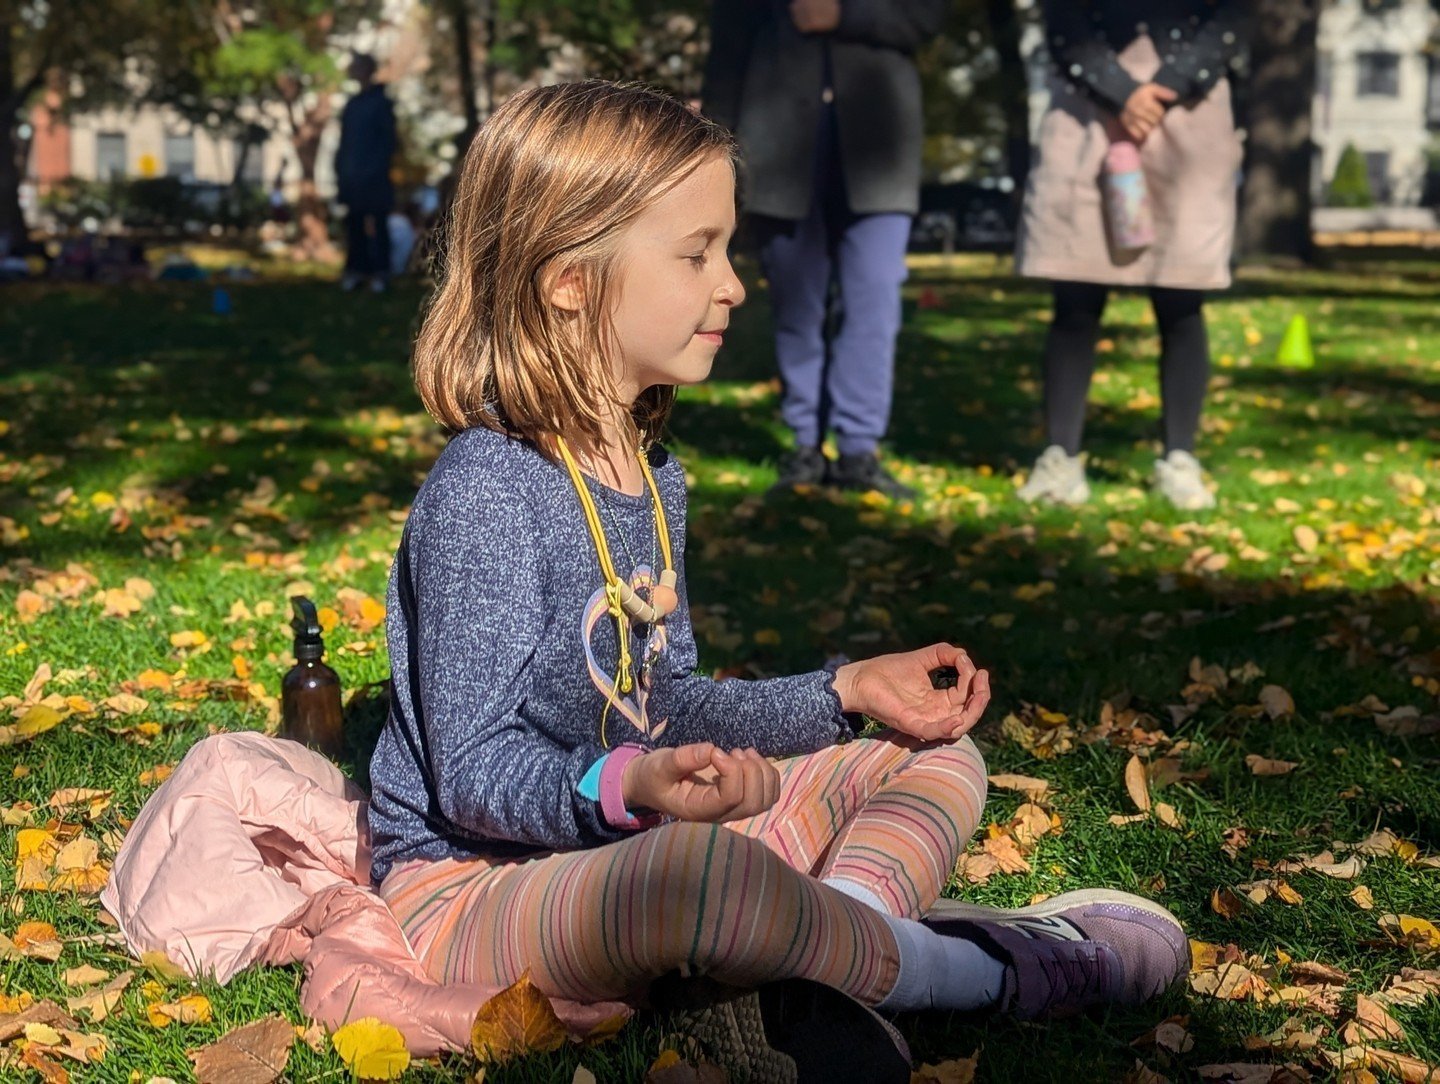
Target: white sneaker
{"type": "Point", "coordinates": [1181, 482]}
{"type": "Point", "coordinates": [1057, 477]}
{"type": "Point", "coordinates": [349, 281]}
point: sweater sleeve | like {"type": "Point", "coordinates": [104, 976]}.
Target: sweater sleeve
{"type": "Point", "coordinates": [1082, 56]}
{"type": "Point", "coordinates": [474, 566]}
{"type": "Point", "coordinates": [895, 24]}
{"type": "Point", "coordinates": [1208, 54]}
{"type": "Point", "coordinates": [779, 717]}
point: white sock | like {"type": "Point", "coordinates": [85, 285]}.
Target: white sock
{"type": "Point", "coordinates": [941, 972]}
{"type": "Point", "coordinates": [856, 891]}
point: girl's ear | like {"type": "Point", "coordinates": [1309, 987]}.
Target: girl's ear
{"type": "Point", "coordinates": [566, 290]}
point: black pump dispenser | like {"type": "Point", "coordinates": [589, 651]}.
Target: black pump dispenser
{"type": "Point", "coordinates": [309, 642]}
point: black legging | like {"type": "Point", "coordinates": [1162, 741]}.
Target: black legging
{"type": "Point", "coordinates": [1070, 361]}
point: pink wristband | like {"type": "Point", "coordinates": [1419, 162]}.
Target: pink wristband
{"type": "Point", "coordinates": [612, 795]}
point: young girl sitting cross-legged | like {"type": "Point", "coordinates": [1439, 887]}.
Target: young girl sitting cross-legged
{"type": "Point", "coordinates": [556, 790]}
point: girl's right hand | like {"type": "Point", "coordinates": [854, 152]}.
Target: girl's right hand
{"type": "Point", "coordinates": [701, 783]}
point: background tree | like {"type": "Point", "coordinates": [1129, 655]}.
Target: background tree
{"type": "Point", "coordinates": [1275, 200]}
{"type": "Point", "coordinates": [278, 54]}
{"type": "Point", "coordinates": [976, 92]}
{"type": "Point", "coordinates": [79, 47]}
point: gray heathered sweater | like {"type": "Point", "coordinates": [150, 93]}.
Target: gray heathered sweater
{"type": "Point", "coordinates": [500, 646]}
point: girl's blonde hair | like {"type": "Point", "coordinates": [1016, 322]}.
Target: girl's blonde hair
{"type": "Point", "coordinates": [546, 187]}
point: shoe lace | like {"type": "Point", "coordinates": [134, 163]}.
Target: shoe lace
{"type": "Point", "coordinates": [1078, 973]}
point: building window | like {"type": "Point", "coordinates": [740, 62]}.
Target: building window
{"type": "Point", "coordinates": [1379, 75]}
{"type": "Point", "coordinates": [109, 155]}
{"type": "Point", "coordinates": [1377, 172]}
{"type": "Point", "coordinates": [180, 155]}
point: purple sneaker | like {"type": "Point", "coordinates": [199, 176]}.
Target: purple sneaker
{"type": "Point", "coordinates": [1073, 952]}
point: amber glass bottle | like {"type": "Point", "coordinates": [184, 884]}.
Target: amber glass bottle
{"type": "Point", "coordinates": [310, 693]}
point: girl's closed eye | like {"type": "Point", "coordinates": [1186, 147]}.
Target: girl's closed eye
{"type": "Point", "coordinates": [697, 260]}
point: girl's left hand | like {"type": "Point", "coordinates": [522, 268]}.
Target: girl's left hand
{"type": "Point", "coordinates": [896, 690]}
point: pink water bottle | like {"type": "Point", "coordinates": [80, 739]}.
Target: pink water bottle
{"type": "Point", "coordinates": [1127, 201]}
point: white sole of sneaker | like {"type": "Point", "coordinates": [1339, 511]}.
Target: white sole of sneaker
{"type": "Point", "coordinates": [947, 908]}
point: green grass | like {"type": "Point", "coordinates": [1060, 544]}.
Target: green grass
{"type": "Point", "coordinates": [281, 446]}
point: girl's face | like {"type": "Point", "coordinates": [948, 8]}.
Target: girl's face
{"type": "Point", "coordinates": [675, 285]}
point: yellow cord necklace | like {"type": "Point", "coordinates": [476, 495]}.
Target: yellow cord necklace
{"type": "Point", "coordinates": [622, 601]}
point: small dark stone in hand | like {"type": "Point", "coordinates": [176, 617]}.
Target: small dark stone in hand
{"type": "Point", "coordinates": [944, 677]}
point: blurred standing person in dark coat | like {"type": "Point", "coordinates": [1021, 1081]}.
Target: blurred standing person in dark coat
{"type": "Point", "coordinates": [362, 170]}
{"type": "Point", "coordinates": [1151, 74]}
{"type": "Point", "coordinates": [824, 96]}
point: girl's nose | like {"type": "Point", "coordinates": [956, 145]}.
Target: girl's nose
{"type": "Point", "coordinates": [731, 291]}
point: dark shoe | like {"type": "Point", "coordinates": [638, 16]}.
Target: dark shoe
{"type": "Point", "coordinates": [802, 467]}
{"type": "Point", "coordinates": [867, 474]}
{"type": "Point", "coordinates": [792, 1031]}
{"type": "Point", "coordinates": [1075, 951]}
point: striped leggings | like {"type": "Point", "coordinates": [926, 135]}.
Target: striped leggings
{"type": "Point", "coordinates": [742, 902]}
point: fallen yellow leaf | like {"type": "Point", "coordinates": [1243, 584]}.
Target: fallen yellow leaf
{"type": "Point", "coordinates": [373, 1050]}
{"type": "Point", "coordinates": [1418, 932]}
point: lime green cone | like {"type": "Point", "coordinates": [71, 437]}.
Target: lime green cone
{"type": "Point", "coordinates": [1296, 350]}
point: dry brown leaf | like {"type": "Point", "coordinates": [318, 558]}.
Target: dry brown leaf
{"type": "Point", "coordinates": [1230, 982]}
{"type": "Point", "coordinates": [1363, 898]}
{"type": "Point", "coordinates": [1143, 1074]}
{"type": "Point", "coordinates": [1237, 1072]}
{"type": "Point", "coordinates": [89, 802]}
{"type": "Point", "coordinates": [1377, 843]}
{"type": "Point", "coordinates": [1372, 1023]}
{"type": "Point", "coordinates": [1324, 862]}
{"type": "Point", "coordinates": [41, 1012]}
{"type": "Point", "coordinates": [1409, 1070]}
{"type": "Point", "coordinates": [1169, 1035]}
{"type": "Point", "coordinates": [98, 1004]}
{"type": "Point", "coordinates": [1235, 840]}
{"type": "Point", "coordinates": [1007, 856]}
{"type": "Point", "coordinates": [1165, 813]}
{"type": "Point", "coordinates": [84, 975]}
{"type": "Point", "coordinates": [1292, 1035]}
{"type": "Point", "coordinates": [582, 1076]}
{"type": "Point", "coordinates": [51, 1071]}
{"type": "Point", "coordinates": [254, 1054]}
{"type": "Point", "coordinates": [1356, 1074]}
{"type": "Point", "coordinates": [1411, 987]}
{"type": "Point", "coordinates": [518, 1020]}
{"type": "Point", "coordinates": [1313, 971]}
{"type": "Point", "coordinates": [955, 1071]}
{"type": "Point", "coordinates": [1029, 824]}
{"type": "Point", "coordinates": [1226, 903]}
{"type": "Point", "coordinates": [976, 868]}
{"type": "Point", "coordinates": [1137, 784]}
{"type": "Point", "coordinates": [1276, 701]}
{"type": "Point", "coordinates": [1032, 788]}
{"type": "Point", "coordinates": [1306, 537]}
{"type": "Point", "coordinates": [1259, 765]}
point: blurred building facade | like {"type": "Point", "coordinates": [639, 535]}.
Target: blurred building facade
{"type": "Point", "coordinates": [1378, 90]}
